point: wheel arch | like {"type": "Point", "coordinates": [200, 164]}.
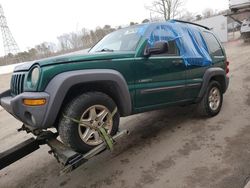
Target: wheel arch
{"type": "Point", "coordinates": [69, 84]}
{"type": "Point", "coordinates": [214, 73]}
{"type": "Point", "coordinates": [109, 88]}
{"type": "Point", "coordinates": [221, 80]}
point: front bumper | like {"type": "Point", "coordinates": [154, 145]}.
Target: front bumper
{"type": "Point", "coordinates": [30, 115]}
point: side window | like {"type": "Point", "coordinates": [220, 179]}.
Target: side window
{"type": "Point", "coordinates": [213, 44]}
{"type": "Point", "coordinates": [173, 50]}
{"type": "Point", "coordinates": [163, 35]}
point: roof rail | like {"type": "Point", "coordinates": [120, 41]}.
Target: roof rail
{"type": "Point", "coordinates": [181, 21]}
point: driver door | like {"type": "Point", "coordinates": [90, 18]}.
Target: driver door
{"type": "Point", "coordinates": [160, 79]}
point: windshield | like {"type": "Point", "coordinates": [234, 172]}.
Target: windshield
{"type": "Point", "coordinates": [121, 40]}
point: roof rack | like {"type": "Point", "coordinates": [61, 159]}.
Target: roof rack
{"type": "Point", "coordinates": [181, 21]}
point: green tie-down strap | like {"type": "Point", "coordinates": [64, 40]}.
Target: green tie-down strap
{"type": "Point", "coordinates": [106, 137]}
{"type": "Point", "coordinates": [101, 130]}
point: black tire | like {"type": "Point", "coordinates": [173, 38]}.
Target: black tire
{"type": "Point", "coordinates": [204, 108]}
{"type": "Point", "coordinates": [69, 129]}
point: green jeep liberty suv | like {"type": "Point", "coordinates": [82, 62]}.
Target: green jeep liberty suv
{"type": "Point", "coordinates": [132, 70]}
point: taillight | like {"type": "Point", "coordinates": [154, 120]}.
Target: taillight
{"type": "Point", "coordinates": [227, 68]}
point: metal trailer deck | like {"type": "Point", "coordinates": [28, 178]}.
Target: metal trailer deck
{"type": "Point", "coordinates": [68, 158]}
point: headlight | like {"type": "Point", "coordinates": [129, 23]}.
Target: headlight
{"type": "Point", "coordinates": [35, 74]}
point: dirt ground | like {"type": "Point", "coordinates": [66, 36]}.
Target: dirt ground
{"type": "Point", "coordinates": [170, 148]}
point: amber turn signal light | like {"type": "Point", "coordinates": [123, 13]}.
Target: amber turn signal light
{"type": "Point", "coordinates": [34, 102]}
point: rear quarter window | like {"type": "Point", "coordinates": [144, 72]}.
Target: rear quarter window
{"type": "Point", "coordinates": [213, 44]}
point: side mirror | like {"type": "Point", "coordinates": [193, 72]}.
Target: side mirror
{"type": "Point", "coordinates": [159, 47]}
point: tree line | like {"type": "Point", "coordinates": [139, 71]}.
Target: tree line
{"type": "Point", "coordinates": [67, 42]}
{"type": "Point", "coordinates": [83, 39]}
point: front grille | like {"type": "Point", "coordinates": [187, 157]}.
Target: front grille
{"type": "Point", "coordinates": [16, 84]}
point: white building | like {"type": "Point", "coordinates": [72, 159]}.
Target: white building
{"type": "Point", "coordinates": [218, 25]}
{"type": "Point", "coordinates": [239, 4]}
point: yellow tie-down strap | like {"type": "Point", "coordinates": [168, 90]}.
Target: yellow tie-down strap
{"type": "Point", "coordinates": [101, 130]}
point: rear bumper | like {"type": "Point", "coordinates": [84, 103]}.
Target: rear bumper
{"type": "Point", "coordinates": [227, 84]}
{"type": "Point", "coordinates": [30, 115]}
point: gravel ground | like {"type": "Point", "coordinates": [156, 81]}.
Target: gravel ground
{"type": "Point", "coordinates": [167, 148]}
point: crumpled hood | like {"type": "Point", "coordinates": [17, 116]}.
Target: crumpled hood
{"type": "Point", "coordinates": [75, 58]}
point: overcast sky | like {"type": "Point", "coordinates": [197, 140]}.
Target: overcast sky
{"type": "Point", "coordinates": [34, 21]}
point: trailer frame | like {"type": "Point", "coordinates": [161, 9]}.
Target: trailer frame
{"type": "Point", "coordinates": [68, 158]}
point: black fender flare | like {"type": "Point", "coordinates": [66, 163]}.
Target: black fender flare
{"type": "Point", "coordinates": [208, 75]}
{"type": "Point", "coordinates": [61, 83]}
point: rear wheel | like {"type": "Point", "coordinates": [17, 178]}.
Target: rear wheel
{"type": "Point", "coordinates": [88, 109]}
{"type": "Point", "coordinates": [212, 101]}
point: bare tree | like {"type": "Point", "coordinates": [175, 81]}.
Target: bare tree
{"type": "Point", "coordinates": [169, 9]}
{"type": "Point", "coordinates": [133, 23]}
{"type": "Point", "coordinates": [43, 50]}
{"type": "Point", "coordinates": [75, 40]}
{"type": "Point", "coordinates": [198, 17]}
{"type": "Point", "coordinates": [187, 16]}
{"type": "Point", "coordinates": [100, 33]}
{"type": "Point", "coordinates": [208, 12]}
{"type": "Point", "coordinates": [108, 29]}
{"type": "Point", "coordinates": [64, 42]}
{"type": "Point", "coordinates": [145, 21]}
{"type": "Point", "coordinates": [86, 39]}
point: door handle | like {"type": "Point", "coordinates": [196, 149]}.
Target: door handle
{"type": "Point", "coordinates": [177, 62]}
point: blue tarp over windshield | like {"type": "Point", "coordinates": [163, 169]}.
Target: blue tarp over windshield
{"type": "Point", "coordinates": [188, 38]}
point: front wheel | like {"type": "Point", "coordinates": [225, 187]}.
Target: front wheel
{"type": "Point", "coordinates": [89, 109]}
{"type": "Point", "coordinates": [211, 103]}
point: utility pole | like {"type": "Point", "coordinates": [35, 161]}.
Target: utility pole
{"type": "Point", "coordinates": [10, 46]}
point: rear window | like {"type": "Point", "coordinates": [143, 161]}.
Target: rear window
{"type": "Point", "coordinates": [213, 44]}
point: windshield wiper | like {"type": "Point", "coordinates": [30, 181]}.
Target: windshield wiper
{"type": "Point", "coordinates": [105, 50]}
